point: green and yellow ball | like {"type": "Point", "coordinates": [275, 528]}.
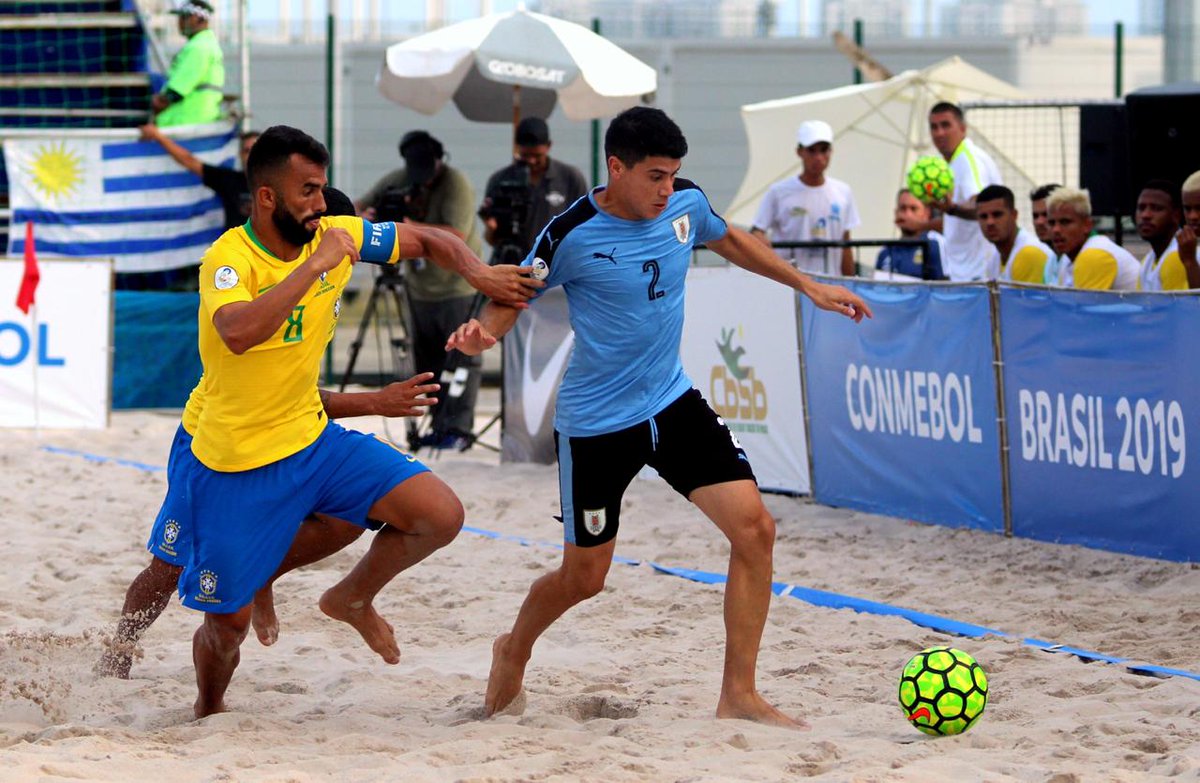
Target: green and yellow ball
{"type": "Point", "coordinates": [943, 691]}
{"type": "Point", "coordinates": [930, 179]}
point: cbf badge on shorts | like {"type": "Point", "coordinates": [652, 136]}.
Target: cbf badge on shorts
{"type": "Point", "coordinates": [594, 521]}
{"type": "Point", "coordinates": [208, 587]}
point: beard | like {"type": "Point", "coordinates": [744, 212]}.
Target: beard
{"type": "Point", "coordinates": [292, 230]}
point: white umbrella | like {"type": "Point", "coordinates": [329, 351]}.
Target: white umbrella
{"type": "Point", "coordinates": [496, 66]}
{"type": "Point", "coordinates": [879, 129]}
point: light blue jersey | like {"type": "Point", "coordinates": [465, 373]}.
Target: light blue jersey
{"type": "Point", "coordinates": [624, 285]}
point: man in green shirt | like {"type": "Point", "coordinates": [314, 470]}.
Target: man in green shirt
{"type": "Point", "coordinates": [192, 94]}
{"type": "Point", "coordinates": [428, 191]}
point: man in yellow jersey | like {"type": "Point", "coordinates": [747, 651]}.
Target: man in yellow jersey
{"type": "Point", "coordinates": [265, 454]}
{"type": "Point", "coordinates": [966, 249]}
{"type": "Point", "coordinates": [196, 78]}
{"type": "Point", "coordinates": [1158, 216]}
{"type": "Point", "coordinates": [1190, 198]}
{"type": "Point", "coordinates": [1086, 260]}
{"type": "Point", "coordinates": [1017, 255]}
{"type": "Point", "coordinates": [169, 542]}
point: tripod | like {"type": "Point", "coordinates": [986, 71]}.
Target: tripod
{"type": "Point", "coordinates": [389, 284]}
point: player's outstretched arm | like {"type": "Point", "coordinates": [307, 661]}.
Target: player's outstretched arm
{"type": "Point", "coordinates": [243, 325]}
{"type": "Point", "coordinates": [477, 335]}
{"type": "Point", "coordinates": [402, 398]}
{"type": "Point", "coordinates": [741, 249]}
{"type": "Point", "coordinates": [506, 284]}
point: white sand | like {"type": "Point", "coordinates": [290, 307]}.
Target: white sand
{"type": "Point", "coordinates": [623, 689]}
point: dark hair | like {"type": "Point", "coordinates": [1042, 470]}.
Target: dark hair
{"type": "Point", "coordinates": [337, 202]}
{"type": "Point", "coordinates": [945, 106]}
{"type": "Point", "coordinates": [642, 132]}
{"type": "Point", "coordinates": [275, 147]}
{"type": "Point", "coordinates": [993, 192]}
{"type": "Point", "coordinates": [419, 140]}
{"type": "Point", "coordinates": [1042, 192]}
{"type": "Point", "coordinates": [1164, 186]}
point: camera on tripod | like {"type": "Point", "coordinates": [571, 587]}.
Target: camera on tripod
{"type": "Point", "coordinates": [509, 205]}
{"type": "Point", "coordinates": [399, 202]}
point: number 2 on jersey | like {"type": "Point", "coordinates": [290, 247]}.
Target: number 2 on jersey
{"type": "Point", "coordinates": [652, 289]}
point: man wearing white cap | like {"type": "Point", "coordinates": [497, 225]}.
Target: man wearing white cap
{"type": "Point", "coordinates": [811, 206]}
{"type": "Point", "coordinates": [196, 78]}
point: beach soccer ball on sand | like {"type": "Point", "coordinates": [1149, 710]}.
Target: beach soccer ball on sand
{"type": "Point", "coordinates": [943, 691]}
{"type": "Point", "coordinates": [930, 179]}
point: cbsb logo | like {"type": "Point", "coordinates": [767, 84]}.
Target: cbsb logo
{"type": "Point", "coordinates": [11, 354]}
{"type": "Point", "coordinates": [734, 391]}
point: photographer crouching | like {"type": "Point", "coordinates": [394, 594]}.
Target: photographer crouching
{"type": "Point", "coordinates": [521, 198]}
{"type": "Point", "coordinates": [431, 192]}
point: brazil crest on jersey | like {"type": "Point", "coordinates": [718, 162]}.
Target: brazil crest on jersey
{"type": "Point", "coordinates": [263, 405]}
{"type": "Point", "coordinates": [624, 284]}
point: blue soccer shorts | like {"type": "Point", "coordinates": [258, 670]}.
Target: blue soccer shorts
{"type": "Point", "coordinates": [170, 536]}
{"type": "Point", "coordinates": [244, 522]}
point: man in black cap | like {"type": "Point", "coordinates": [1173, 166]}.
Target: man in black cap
{"type": "Point", "coordinates": [431, 192]}
{"type": "Point", "coordinates": [521, 198]}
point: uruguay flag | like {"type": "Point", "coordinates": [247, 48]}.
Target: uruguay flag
{"type": "Point", "coordinates": [104, 194]}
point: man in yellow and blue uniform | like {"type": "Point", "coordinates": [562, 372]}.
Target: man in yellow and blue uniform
{"type": "Point", "coordinates": [266, 454]}
{"type": "Point", "coordinates": [1158, 217]}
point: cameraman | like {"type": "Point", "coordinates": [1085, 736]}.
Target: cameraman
{"type": "Point", "coordinates": [521, 198]}
{"type": "Point", "coordinates": [430, 192]}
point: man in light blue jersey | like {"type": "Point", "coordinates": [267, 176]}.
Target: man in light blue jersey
{"type": "Point", "coordinates": [622, 255]}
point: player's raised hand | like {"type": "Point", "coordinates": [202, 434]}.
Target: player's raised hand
{"type": "Point", "coordinates": [471, 338]}
{"type": "Point", "coordinates": [507, 284]}
{"type": "Point", "coordinates": [407, 398]}
{"type": "Point", "coordinates": [336, 244]}
{"type": "Point", "coordinates": [839, 300]}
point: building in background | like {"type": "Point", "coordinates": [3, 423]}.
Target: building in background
{"type": "Point", "coordinates": [1040, 20]}
{"type": "Point", "coordinates": [881, 18]}
{"type": "Point", "coordinates": [668, 18]}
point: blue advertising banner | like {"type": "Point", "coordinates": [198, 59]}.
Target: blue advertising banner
{"type": "Point", "coordinates": [1099, 389]}
{"type": "Point", "coordinates": [902, 407]}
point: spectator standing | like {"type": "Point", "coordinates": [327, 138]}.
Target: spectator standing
{"type": "Point", "coordinates": [1017, 255]}
{"type": "Point", "coordinates": [1086, 260]}
{"type": "Point", "coordinates": [811, 206]}
{"type": "Point", "coordinates": [196, 78]}
{"type": "Point", "coordinates": [911, 214]}
{"type": "Point", "coordinates": [546, 185]}
{"type": "Point", "coordinates": [967, 251]}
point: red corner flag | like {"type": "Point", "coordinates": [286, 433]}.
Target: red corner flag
{"type": "Point", "coordinates": [29, 281]}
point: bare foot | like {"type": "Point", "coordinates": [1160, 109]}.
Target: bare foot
{"type": "Point", "coordinates": [114, 664]}
{"type": "Point", "coordinates": [505, 678]}
{"type": "Point", "coordinates": [203, 710]}
{"type": "Point", "coordinates": [263, 618]}
{"type": "Point", "coordinates": [375, 631]}
{"type": "Point", "coordinates": [757, 709]}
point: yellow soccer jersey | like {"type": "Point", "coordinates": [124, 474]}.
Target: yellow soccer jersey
{"type": "Point", "coordinates": [1165, 275]}
{"type": "Point", "coordinates": [191, 410]}
{"type": "Point", "coordinates": [263, 405]}
{"type": "Point", "coordinates": [1026, 261]}
{"type": "Point", "coordinates": [1101, 265]}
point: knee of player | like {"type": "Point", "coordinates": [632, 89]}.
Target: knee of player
{"type": "Point", "coordinates": [225, 632]}
{"type": "Point", "coordinates": [583, 584]}
{"type": "Point", "coordinates": [756, 531]}
{"type": "Point", "coordinates": [449, 521]}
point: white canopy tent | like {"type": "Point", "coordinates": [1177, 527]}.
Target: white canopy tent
{"type": "Point", "coordinates": [879, 130]}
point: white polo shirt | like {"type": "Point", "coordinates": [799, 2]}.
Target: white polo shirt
{"type": "Point", "coordinates": [967, 251]}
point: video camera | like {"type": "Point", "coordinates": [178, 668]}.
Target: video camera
{"type": "Point", "coordinates": [509, 204]}
{"type": "Point", "coordinates": [399, 202]}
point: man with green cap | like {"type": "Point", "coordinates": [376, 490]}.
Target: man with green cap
{"type": "Point", "coordinates": [192, 94]}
